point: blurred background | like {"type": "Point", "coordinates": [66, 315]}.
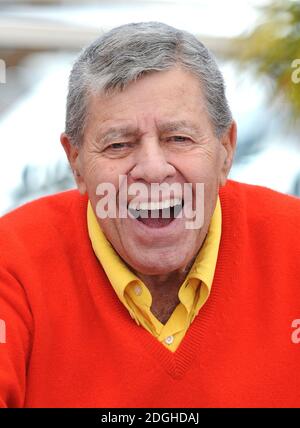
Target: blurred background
{"type": "Point", "coordinates": [257, 45]}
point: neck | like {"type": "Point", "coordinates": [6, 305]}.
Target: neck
{"type": "Point", "coordinates": [164, 288]}
{"type": "Point", "coordinates": [164, 291]}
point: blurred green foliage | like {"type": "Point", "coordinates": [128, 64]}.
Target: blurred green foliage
{"type": "Point", "coordinates": [272, 47]}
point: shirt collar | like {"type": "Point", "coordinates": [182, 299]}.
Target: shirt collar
{"type": "Point", "coordinates": [120, 276]}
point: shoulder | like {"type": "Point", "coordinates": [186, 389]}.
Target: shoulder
{"type": "Point", "coordinates": [262, 211]}
{"type": "Point", "coordinates": [261, 201]}
{"type": "Point", "coordinates": [41, 221]}
{"type": "Point", "coordinates": [41, 211]}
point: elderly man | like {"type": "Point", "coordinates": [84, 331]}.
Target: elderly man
{"type": "Point", "coordinates": [159, 283]}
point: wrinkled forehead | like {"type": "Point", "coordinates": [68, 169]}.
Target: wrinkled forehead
{"type": "Point", "coordinates": [168, 102]}
{"type": "Point", "coordinates": [115, 129]}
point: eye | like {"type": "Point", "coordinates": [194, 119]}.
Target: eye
{"type": "Point", "coordinates": [117, 146]}
{"type": "Point", "coordinates": [178, 139]}
{"type": "Point", "coordinates": [118, 150]}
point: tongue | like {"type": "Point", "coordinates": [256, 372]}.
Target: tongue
{"type": "Point", "coordinates": [156, 222]}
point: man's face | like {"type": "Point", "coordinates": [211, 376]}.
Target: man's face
{"type": "Point", "coordinates": [156, 131]}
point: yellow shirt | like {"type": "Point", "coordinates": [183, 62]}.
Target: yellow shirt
{"type": "Point", "coordinates": [136, 297]}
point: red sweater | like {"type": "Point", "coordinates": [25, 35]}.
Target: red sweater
{"type": "Point", "coordinates": [71, 343]}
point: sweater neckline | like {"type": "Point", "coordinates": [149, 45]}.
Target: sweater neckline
{"type": "Point", "coordinates": [177, 363]}
{"type": "Point", "coordinates": [194, 343]}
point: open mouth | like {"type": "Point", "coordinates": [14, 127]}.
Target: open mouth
{"type": "Point", "coordinates": [156, 214]}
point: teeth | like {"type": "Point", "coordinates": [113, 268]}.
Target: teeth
{"type": "Point", "coordinates": [176, 202]}
{"type": "Point", "coordinates": [133, 205]}
{"type": "Point", "coordinates": [151, 206]}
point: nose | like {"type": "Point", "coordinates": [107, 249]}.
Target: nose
{"type": "Point", "coordinates": [151, 164]}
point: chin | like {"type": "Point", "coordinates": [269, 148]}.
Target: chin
{"type": "Point", "coordinates": [158, 266]}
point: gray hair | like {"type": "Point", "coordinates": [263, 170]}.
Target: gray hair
{"type": "Point", "coordinates": [126, 53]}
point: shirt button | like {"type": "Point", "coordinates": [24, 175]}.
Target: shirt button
{"type": "Point", "coordinates": [137, 290]}
{"type": "Point", "coordinates": [169, 340]}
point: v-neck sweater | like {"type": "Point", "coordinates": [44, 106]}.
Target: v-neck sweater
{"type": "Point", "coordinates": [135, 295]}
{"type": "Point", "coordinates": [71, 343]}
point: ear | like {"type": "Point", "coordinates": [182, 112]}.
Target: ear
{"type": "Point", "coordinates": [74, 158]}
{"type": "Point", "coordinates": [228, 142]}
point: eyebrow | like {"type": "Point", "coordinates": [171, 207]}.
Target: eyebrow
{"type": "Point", "coordinates": [115, 132]}
{"type": "Point", "coordinates": [178, 125]}
{"type": "Point", "coordinates": [172, 126]}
